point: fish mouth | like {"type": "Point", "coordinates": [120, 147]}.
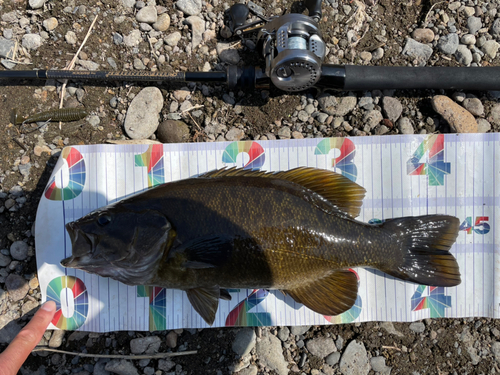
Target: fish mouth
{"type": "Point", "coordinates": [81, 247]}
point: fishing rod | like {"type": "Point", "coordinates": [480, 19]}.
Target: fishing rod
{"type": "Point", "coordinates": [293, 50]}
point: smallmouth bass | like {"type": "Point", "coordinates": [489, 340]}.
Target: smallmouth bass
{"type": "Point", "coordinates": [294, 231]}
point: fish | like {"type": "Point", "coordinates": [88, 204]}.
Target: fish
{"type": "Point", "coordinates": [294, 231]}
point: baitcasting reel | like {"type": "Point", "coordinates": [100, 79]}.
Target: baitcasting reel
{"type": "Point", "coordinates": [291, 44]}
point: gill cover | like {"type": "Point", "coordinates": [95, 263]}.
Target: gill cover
{"type": "Point", "coordinates": [119, 242]}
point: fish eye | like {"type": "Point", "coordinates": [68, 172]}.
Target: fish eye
{"type": "Point", "coordinates": [103, 220]}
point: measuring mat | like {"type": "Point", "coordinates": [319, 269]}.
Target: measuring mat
{"type": "Point", "coordinates": [453, 174]}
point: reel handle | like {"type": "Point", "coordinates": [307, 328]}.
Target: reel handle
{"type": "Point", "coordinates": [314, 8]}
{"type": "Point", "coordinates": [239, 14]}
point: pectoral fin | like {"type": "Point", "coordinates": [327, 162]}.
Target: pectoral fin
{"type": "Point", "coordinates": [204, 252]}
{"type": "Point", "coordinates": [205, 301]}
{"type": "Point", "coordinates": [331, 295]}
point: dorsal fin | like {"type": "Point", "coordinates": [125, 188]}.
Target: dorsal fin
{"type": "Point", "coordinates": [346, 195]}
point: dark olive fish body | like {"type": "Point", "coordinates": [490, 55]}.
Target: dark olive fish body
{"type": "Point", "coordinates": [294, 231]}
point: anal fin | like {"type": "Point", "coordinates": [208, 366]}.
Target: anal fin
{"type": "Point", "coordinates": [205, 301]}
{"type": "Point", "coordinates": [330, 295]}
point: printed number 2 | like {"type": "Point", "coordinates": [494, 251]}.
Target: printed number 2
{"type": "Point", "coordinates": [435, 168]}
{"type": "Point", "coordinates": [480, 227]}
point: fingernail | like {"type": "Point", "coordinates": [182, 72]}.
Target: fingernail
{"type": "Point", "coordinates": [49, 306]}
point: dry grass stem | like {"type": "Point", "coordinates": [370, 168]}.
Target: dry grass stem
{"type": "Point", "coordinates": [72, 64]}
{"type": "Point", "coordinates": [118, 356]}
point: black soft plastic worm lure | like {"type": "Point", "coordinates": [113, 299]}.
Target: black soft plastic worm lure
{"type": "Point", "coordinates": [63, 114]}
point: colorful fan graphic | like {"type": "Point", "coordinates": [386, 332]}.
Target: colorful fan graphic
{"type": "Point", "coordinates": [351, 314]}
{"type": "Point", "coordinates": [345, 162]}
{"type": "Point", "coordinates": [76, 182]}
{"type": "Point", "coordinates": [253, 149]}
{"type": "Point", "coordinates": [153, 160]}
{"type": "Point", "coordinates": [435, 168]}
{"type": "Point", "coordinates": [436, 301]}
{"type": "Point", "coordinates": [56, 288]}
{"type": "Point", "coordinates": [157, 306]}
{"type": "Point", "coordinates": [240, 315]}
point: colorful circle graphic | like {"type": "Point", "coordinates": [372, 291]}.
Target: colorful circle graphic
{"type": "Point", "coordinates": [345, 162]}
{"type": "Point", "coordinates": [76, 183]}
{"type": "Point", "coordinates": [240, 315]}
{"type": "Point", "coordinates": [157, 306]}
{"type": "Point", "coordinates": [253, 149]}
{"type": "Point", "coordinates": [153, 160]}
{"type": "Point", "coordinates": [436, 300]}
{"type": "Point", "coordinates": [55, 288]}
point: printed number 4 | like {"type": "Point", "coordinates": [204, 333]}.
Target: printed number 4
{"type": "Point", "coordinates": [480, 227]}
{"type": "Point", "coordinates": [435, 168]}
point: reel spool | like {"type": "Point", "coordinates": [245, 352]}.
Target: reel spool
{"type": "Point", "coordinates": [293, 50]}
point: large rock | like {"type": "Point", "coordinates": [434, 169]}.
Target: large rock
{"type": "Point", "coordinates": [189, 7]}
{"type": "Point", "coordinates": [459, 119]}
{"type": "Point", "coordinates": [244, 341]}
{"type": "Point", "coordinates": [121, 367]}
{"type": "Point", "coordinates": [392, 108]}
{"type": "Point", "coordinates": [354, 361]}
{"type": "Point", "coordinates": [133, 39]}
{"type": "Point", "coordinates": [321, 346]}
{"type": "Point", "coordinates": [463, 55]}
{"type": "Point", "coordinates": [330, 105]}
{"type": "Point", "coordinates": [32, 41]}
{"type": "Point", "coordinates": [474, 24]}
{"type": "Point", "coordinates": [173, 39]}
{"type": "Point", "coordinates": [448, 43]}
{"type": "Point", "coordinates": [490, 48]}
{"type": "Point", "coordinates": [7, 47]}
{"type": "Point", "coordinates": [163, 22]}
{"type": "Point", "coordinates": [495, 114]}
{"type": "Point", "coordinates": [36, 4]}
{"type": "Point", "coordinates": [423, 35]}
{"type": "Point", "coordinates": [56, 338]}
{"type": "Point", "coordinates": [142, 116]}
{"type": "Point", "coordinates": [148, 345]}
{"type": "Point", "coordinates": [474, 106]}
{"type": "Point", "coordinates": [270, 354]}
{"type": "Point", "coordinates": [147, 14]}
{"type": "Point", "coordinates": [197, 29]}
{"type": "Point", "coordinates": [227, 54]}
{"type": "Point", "coordinates": [17, 286]}
{"type": "Point", "coordinates": [418, 51]}
{"type": "Point", "coordinates": [19, 250]}
{"type": "Point", "coordinates": [299, 330]}
{"type": "Point", "coordinates": [173, 131]}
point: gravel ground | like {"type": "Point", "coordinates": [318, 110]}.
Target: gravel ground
{"type": "Point", "coordinates": [184, 35]}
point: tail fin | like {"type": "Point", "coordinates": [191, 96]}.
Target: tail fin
{"type": "Point", "coordinates": [425, 242]}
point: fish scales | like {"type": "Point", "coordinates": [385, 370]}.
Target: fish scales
{"type": "Point", "coordinates": [275, 221]}
{"type": "Point", "coordinates": [294, 231]}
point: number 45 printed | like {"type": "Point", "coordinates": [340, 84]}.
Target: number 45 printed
{"type": "Point", "coordinates": [480, 227]}
{"type": "Point", "coordinates": [428, 159]}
